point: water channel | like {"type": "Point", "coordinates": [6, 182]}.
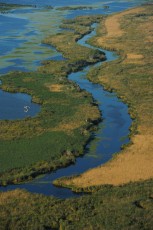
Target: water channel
{"type": "Point", "coordinates": [112, 133]}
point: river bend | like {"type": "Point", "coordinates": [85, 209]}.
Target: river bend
{"type": "Point", "coordinates": [112, 133]}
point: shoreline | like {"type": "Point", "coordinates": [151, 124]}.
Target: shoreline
{"type": "Point", "coordinates": [108, 172]}
{"type": "Point", "coordinates": [128, 206]}
{"type": "Point", "coordinates": [89, 126]}
{"type": "Point", "coordinates": [133, 128]}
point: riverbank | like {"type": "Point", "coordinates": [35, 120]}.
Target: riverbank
{"type": "Point", "coordinates": [75, 57]}
{"type": "Point", "coordinates": [107, 207]}
{"type": "Point", "coordinates": [70, 113]}
{"type": "Point", "coordinates": [4, 7]}
{"type": "Point", "coordinates": [120, 207]}
{"type": "Point", "coordinates": [130, 34]}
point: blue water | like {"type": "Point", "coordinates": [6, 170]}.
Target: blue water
{"type": "Point", "coordinates": [107, 141]}
{"type": "Point", "coordinates": [19, 27]}
{"type": "Point", "coordinates": [113, 131]}
{"type": "Point", "coordinates": [15, 106]}
{"type": "Point", "coordinates": [21, 38]}
{"type": "Point", "coordinates": [60, 3]}
{"type": "Point", "coordinates": [9, 28]}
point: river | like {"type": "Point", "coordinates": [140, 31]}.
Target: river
{"type": "Point", "coordinates": [112, 133]}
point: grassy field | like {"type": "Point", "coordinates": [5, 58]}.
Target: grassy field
{"type": "Point", "coordinates": [109, 208]}
{"type": "Point", "coordinates": [130, 34]}
{"type": "Point", "coordinates": [61, 130]}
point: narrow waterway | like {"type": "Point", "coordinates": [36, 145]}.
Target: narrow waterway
{"type": "Point", "coordinates": [112, 133]}
{"type": "Point", "coordinates": [23, 28]}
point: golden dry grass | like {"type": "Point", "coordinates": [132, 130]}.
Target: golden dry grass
{"type": "Point", "coordinates": [136, 161]}
{"type": "Point", "coordinates": [133, 165]}
{"type": "Point", "coordinates": [112, 25]}
{"type": "Point", "coordinates": [7, 197]}
{"type": "Point", "coordinates": [54, 87]}
{"type": "Point", "coordinates": [134, 58]}
{"type": "Point", "coordinates": [114, 31]}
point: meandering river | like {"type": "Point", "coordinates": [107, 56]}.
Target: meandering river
{"type": "Point", "coordinates": [112, 132]}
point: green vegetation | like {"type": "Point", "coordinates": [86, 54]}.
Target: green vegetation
{"type": "Point", "coordinates": [50, 21]}
{"type": "Point", "coordinates": [128, 206]}
{"type": "Point", "coordinates": [131, 75]}
{"type": "Point", "coordinates": [37, 143]}
{"type": "Point", "coordinates": [76, 56]}
{"type": "Point", "coordinates": [61, 130]}
{"type": "Point", "coordinates": [125, 207]}
{"type": "Point", "coordinates": [106, 7]}
{"type": "Point", "coordinates": [81, 25]}
{"type": "Point", "coordinates": [4, 7]}
{"type": "Point", "coordinates": [75, 8]}
{"type": "Point", "coordinates": [131, 78]}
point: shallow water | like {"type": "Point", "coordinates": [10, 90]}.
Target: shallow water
{"type": "Point", "coordinates": [107, 141]}
{"type": "Point", "coordinates": [113, 131]}
{"type": "Point", "coordinates": [15, 106]}
{"type": "Point", "coordinates": [23, 29]}
{"type": "Point", "coordinates": [21, 38]}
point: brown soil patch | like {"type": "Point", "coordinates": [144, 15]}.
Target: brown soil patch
{"type": "Point", "coordinates": [54, 87]}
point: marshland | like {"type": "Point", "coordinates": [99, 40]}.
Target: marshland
{"type": "Point", "coordinates": [117, 194]}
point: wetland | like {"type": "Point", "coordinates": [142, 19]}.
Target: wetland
{"type": "Point", "coordinates": [66, 128]}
